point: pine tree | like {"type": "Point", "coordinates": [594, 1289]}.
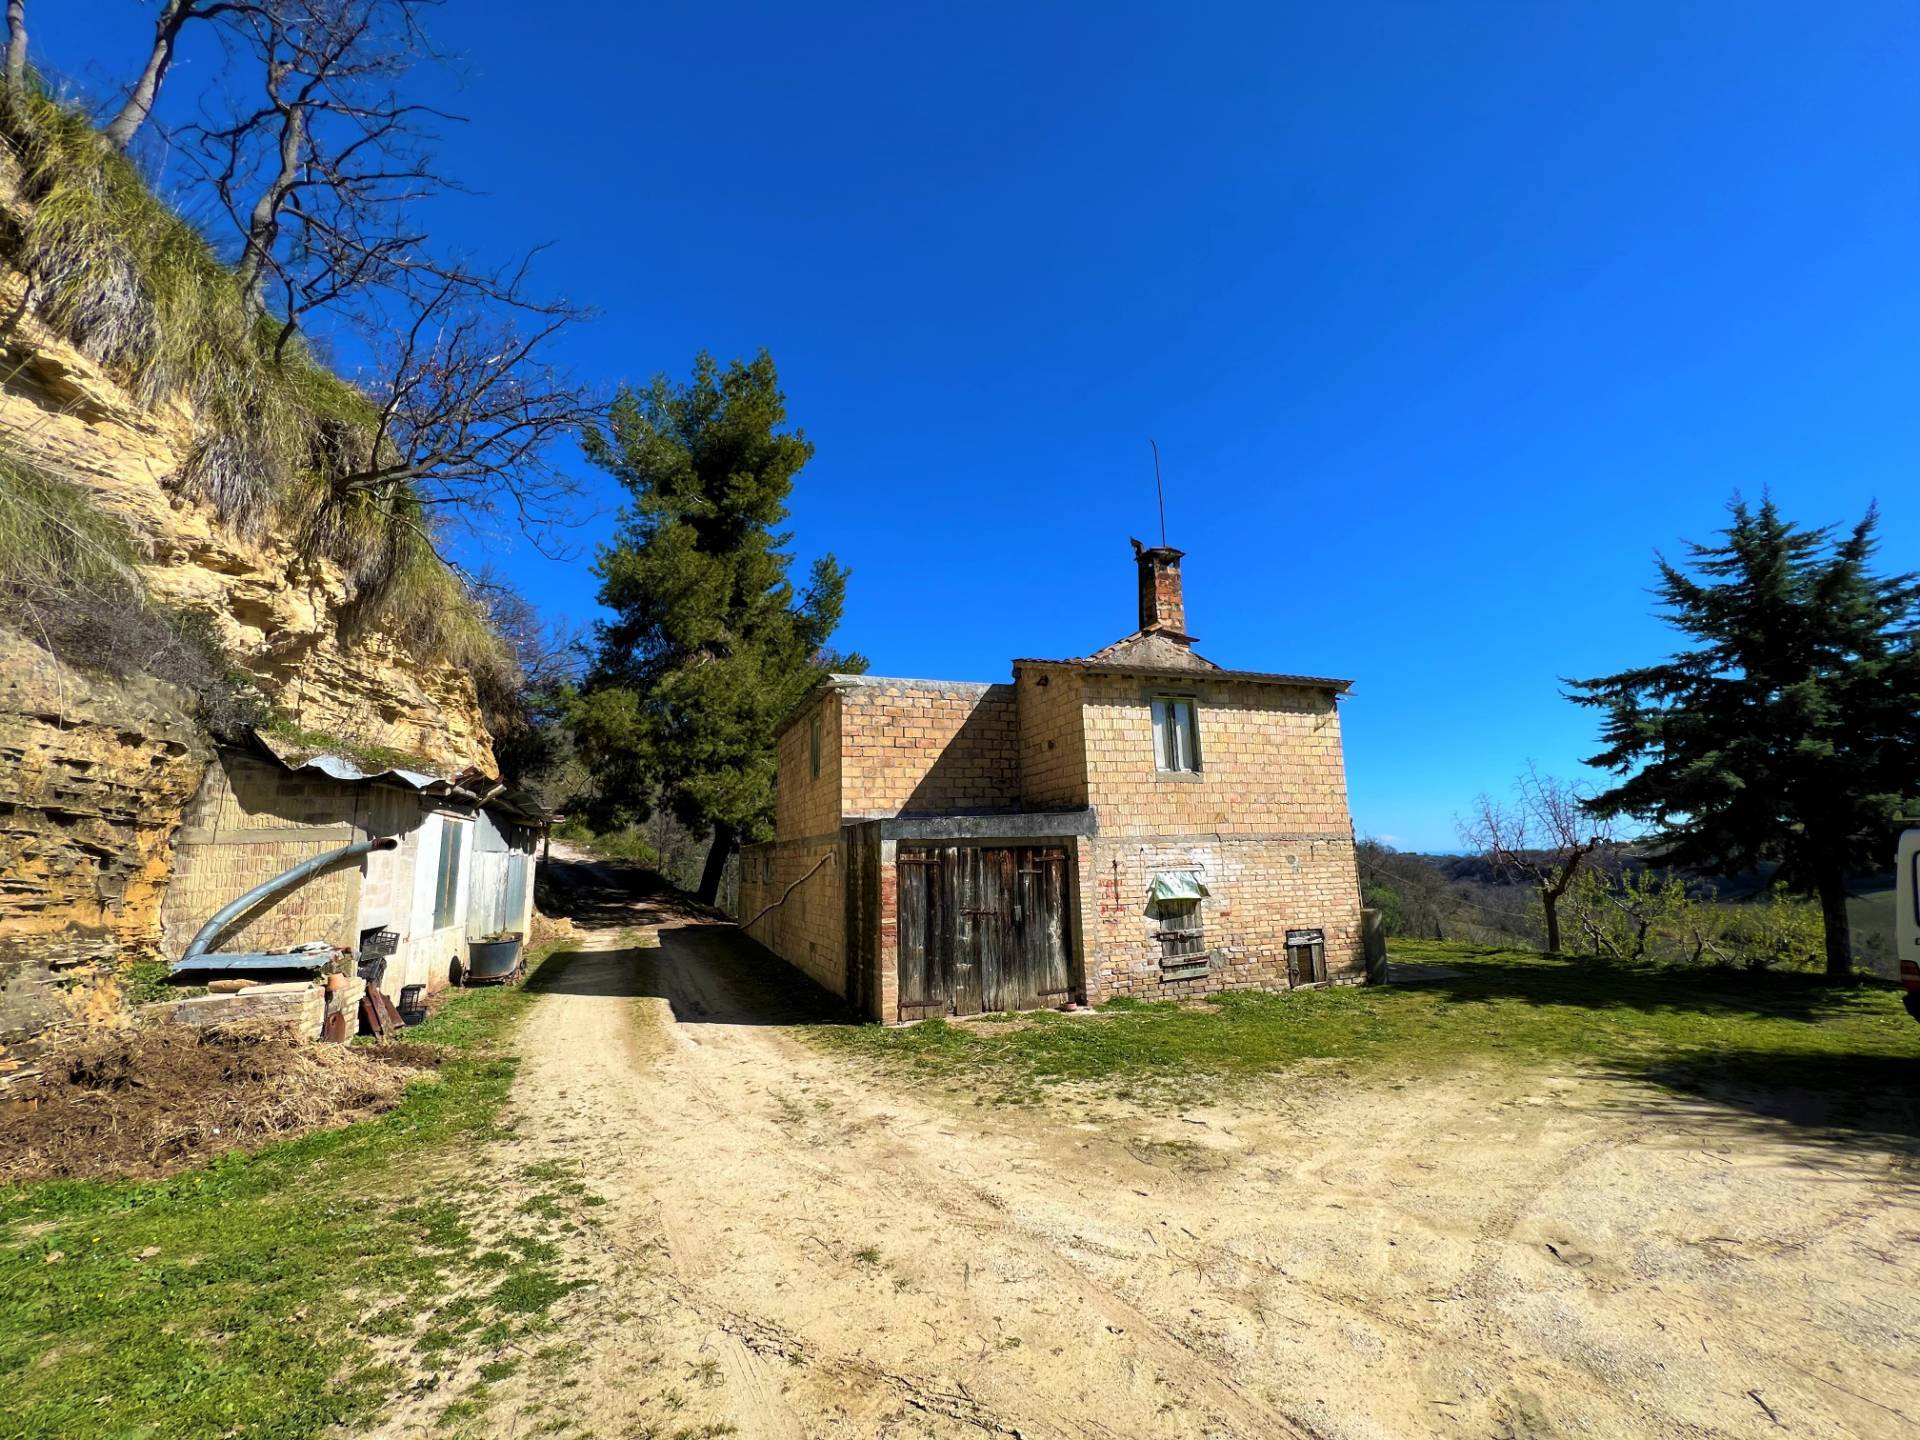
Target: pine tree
{"type": "Point", "coordinates": [710, 645]}
{"type": "Point", "coordinates": [1789, 733]}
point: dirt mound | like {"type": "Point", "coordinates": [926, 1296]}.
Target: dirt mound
{"type": "Point", "coordinates": [152, 1100]}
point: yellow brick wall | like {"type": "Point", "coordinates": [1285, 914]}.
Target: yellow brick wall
{"type": "Point", "coordinates": [807, 929]}
{"type": "Point", "coordinates": [804, 804]}
{"type": "Point", "coordinates": [1053, 741]}
{"type": "Point", "coordinates": [1258, 890]}
{"type": "Point", "coordinates": [1270, 761]}
{"type": "Point", "coordinates": [248, 823]}
{"type": "Point", "coordinates": [927, 747]}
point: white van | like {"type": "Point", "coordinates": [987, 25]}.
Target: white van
{"type": "Point", "coordinates": [1906, 919]}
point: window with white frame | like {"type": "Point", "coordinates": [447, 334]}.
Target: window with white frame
{"type": "Point", "coordinates": [1176, 737]}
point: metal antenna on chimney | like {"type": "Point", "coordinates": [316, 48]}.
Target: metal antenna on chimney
{"type": "Point", "coordinates": [1160, 490]}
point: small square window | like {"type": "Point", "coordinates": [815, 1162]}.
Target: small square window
{"type": "Point", "coordinates": [813, 745]}
{"type": "Point", "coordinates": [1176, 739]}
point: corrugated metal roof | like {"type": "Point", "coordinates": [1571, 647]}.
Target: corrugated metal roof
{"type": "Point", "coordinates": [470, 786]}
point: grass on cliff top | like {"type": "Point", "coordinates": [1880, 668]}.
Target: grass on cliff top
{"type": "Point", "coordinates": [278, 1294]}
{"type": "Point", "coordinates": [1499, 1006]}
{"type": "Point", "coordinates": [139, 289]}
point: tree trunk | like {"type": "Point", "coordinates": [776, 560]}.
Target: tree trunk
{"type": "Point", "coordinates": [717, 853]}
{"type": "Point", "coordinates": [1833, 910]}
{"type": "Point", "coordinates": [17, 47]}
{"type": "Point", "coordinates": [263, 224]}
{"type": "Point", "coordinates": [124, 126]}
{"type": "Point", "coordinates": [1550, 902]}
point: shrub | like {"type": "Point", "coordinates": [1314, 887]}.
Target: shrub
{"type": "Point", "coordinates": [68, 579]}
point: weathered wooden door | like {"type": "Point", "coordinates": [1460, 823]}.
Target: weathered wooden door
{"type": "Point", "coordinates": [982, 929]}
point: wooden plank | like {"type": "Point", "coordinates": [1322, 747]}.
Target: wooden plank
{"type": "Point", "coordinates": [917, 880]}
{"type": "Point", "coordinates": [993, 925]}
{"type": "Point", "coordinates": [963, 869]}
{"type": "Point", "coordinates": [1053, 975]}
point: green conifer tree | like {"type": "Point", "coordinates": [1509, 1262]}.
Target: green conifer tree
{"type": "Point", "coordinates": [1791, 732]}
{"type": "Point", "coordinates": [710, 644]}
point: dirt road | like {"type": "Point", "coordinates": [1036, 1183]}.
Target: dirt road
{"type": "Point", "coordinates": [791, 1247]}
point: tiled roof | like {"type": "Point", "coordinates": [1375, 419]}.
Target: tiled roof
{"type": "Point", "coordinates": [1190, 672]}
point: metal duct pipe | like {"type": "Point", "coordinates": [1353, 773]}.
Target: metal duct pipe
{"type": "Point", "coordinates": [234, 909]}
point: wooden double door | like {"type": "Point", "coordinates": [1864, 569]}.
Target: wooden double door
{"type": "Point", "coordinates": [982, 929]}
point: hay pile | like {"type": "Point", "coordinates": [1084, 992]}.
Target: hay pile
{"type": "Point", "coordinates": [153, 1100]}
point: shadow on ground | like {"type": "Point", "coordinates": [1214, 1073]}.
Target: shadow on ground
{"type": "Point", "coordinates": [705, 968]}
{"type": "Point", "coordinates": [1597, 985]}
{"type": "Point", "coordinates": [1838, 1102]}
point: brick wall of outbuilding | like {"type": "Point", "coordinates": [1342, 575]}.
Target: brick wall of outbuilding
{"type": "Point", "coordinates": [248, 823]}
{"type": "Point", "coordinates": [1053, 739]}
{"type": "Point", "coordinates": [807, 928]}
{"type": "Point", "coordinates": [927, 747]}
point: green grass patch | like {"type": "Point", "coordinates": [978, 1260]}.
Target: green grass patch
{"type": "Point", "coordinates": [1501, 1006]}
{"type": "Point", "coordinates": [243, 1298]}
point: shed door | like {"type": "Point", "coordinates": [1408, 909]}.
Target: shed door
{"type": "Point", "coordinates": [982, 929]}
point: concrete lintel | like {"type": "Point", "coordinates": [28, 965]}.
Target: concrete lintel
{"type": "Point", "coordinates": [1025, 825]}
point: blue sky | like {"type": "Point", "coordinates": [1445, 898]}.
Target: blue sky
{"type": "Point", "coordinates": [1445, 316]}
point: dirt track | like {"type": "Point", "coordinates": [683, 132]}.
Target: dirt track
{"type": "Point", "coordinates": [795, 1249]}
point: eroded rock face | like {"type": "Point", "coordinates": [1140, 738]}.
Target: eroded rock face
{"type": "Point", "coordinates": [93, 776]}
{"type": "Point", "coordinates": [277, 613]}
{"type": "Point", "coordinates": [95, 769]}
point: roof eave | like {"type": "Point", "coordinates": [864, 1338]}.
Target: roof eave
{"type": "Point", "coordinates": [1252, 677]}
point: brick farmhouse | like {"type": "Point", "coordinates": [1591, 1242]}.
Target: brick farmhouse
{"type": "Point", "coordinates": [1139, 822]}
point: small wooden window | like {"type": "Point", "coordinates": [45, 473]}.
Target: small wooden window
{"type": "Point", "coordinates": [813, 744]}
{"type": "Point", "coordinates": [1182, 936]}
{"type": "Point", "coordinates": [1176, 736]}
{"type": "Point", "coordinates": [1306, 957]}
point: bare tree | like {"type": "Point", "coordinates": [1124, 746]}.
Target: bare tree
{"type": "Point", "coordinates": [468, 407]}
{"type": "Point", "coordinates": [17, 46]}
{"type": "Point", "coordinates": [175, 16]}
{"type": "Point", "coordinates": [1541, 839]}
{"type": "Point", "coordinates": [318, 173]}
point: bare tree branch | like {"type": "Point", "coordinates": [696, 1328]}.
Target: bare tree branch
{"type": "Point", "coordinates": [1542, 839]}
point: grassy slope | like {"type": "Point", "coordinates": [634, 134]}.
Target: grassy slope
{"type": "Point", "coordinates": [267, 1276]}
{"type": "Point", "coordinates": [1504, 1005]}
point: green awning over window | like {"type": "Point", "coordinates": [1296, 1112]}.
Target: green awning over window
{"type": "Point", "coordinates": [1177, 885]}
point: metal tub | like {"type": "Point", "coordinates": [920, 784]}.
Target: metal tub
{"type": "Point", "coordinates": [492, 960]}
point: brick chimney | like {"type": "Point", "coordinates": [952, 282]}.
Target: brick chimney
{"type": "Point", "coordinates": [1162, 611]}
